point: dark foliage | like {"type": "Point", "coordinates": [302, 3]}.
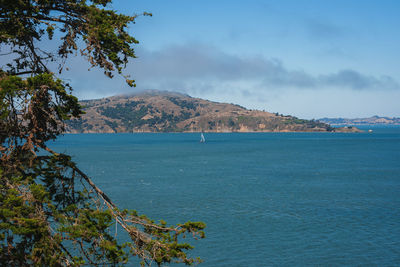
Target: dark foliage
{"type": "Point", "coordinates": [52, 213]}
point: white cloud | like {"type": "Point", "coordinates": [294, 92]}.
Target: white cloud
{"type": "Point", "coordinates": [190, 64]}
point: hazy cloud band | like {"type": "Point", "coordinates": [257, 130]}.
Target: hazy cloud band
{"type": "Point", "coordinates": [187, 64]}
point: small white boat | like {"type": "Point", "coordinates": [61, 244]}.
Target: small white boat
{"type": "Point", "coordinates": [202, 139]}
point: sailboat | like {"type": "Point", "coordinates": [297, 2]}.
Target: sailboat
{"type": "Point", "coordinates": [202, 139]}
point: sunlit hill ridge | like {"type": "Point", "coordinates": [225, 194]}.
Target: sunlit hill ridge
{"type": "Point", "coordinates": [157, 111]}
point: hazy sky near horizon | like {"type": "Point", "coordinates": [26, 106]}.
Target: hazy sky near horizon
{"type": "Point", "coordinates": [308, 58]}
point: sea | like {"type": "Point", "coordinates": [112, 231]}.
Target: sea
{"type": "Point", "coordinates": [268, 199]}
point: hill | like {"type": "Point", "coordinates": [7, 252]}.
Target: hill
{"type": "Point", "coordinates": [362, 121]}
{"type": "Point", "coordinates": [156, 111]}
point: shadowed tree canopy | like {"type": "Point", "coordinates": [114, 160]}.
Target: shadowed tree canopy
{"type": "Point", "coordinates": [51, 212]}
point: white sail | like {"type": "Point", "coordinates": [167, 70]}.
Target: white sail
{"type": "Point", "coordinates": [202, 139]}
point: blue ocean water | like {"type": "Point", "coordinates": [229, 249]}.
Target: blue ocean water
{"type": "Point", "coordinates": [281, 199]}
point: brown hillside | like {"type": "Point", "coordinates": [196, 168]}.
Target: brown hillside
{"type": "Point", "coordinates": [155, 111]}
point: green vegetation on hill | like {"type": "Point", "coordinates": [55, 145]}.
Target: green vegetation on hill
{"type": "Point", "coordinates": [156, 111]}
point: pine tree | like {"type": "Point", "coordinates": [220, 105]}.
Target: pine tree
{"type": "Point", "coordinates": [51, 212]}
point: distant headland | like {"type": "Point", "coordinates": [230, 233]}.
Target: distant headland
{"type": "Point", "coordinates": [374, 120]}
{"type": "Point", "coordinates": [161, 111]}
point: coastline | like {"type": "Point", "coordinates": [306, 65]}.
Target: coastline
{"type": "Point", "coordinates": [337, 130]}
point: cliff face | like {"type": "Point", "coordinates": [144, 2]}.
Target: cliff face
{"type": "Point", "coordinates": [155, 111]}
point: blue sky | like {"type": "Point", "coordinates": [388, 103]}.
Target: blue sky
{"type": "Point", "coordinates": [308, 58]}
